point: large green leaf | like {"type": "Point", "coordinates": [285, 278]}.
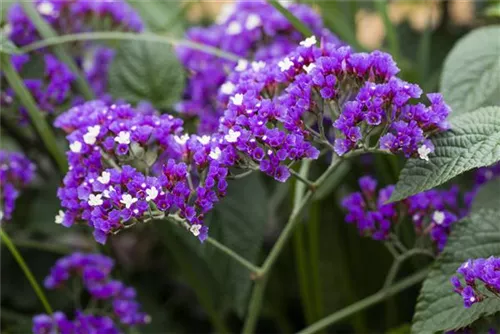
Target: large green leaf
{"type": "Point", "coordinates": [438, 307]}
{"type": "Point", "coordinates": [146, 71]}
{"type": "Point", "coordinates": [471, 73]}
{"type": "Point", "coordinates": [474, 141]}
{"type": "Point", "coordinates": [238, 223]}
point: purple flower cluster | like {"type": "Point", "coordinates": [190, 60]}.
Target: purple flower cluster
{"type": "Point", "coordinates": [66, 17]}
{"type": "Point", "coordinates": [249, 29]}
{"type": "Point", "coordinates": [70, 17]}
{"type": "Point", "coordinates": [16, 172]}
{"type": "Point", "coordinates": [432, 212]}
{"type": "Point", "coordinates": [473, 271]}
{"type": "Point", "coordinates": [49, 92]}
{"type": "Point", "coordinates": [127, 166]}
{"type": "Point", "coordinates": [94, 270]}
{"type": "Point", "coordinates": [271, 109]}
{"type": "Point", "coordinates": [368, 210]}
{"type": "Point", "coordinates": [82, 323]}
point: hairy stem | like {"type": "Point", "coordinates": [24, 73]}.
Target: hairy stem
{"type": "Point", "coordinates": [365, 303]}
{"type": "Point", "coordinates": [27, 272]}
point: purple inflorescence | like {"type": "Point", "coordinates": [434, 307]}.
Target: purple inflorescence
{"type": "Point", "coordinates": [249, 29]}
{"type": "Point", "coordinates": [70, 17]}
{"type": "Point", "coordinates": [474, 271]}
{"type": "Point", "coordinates": [187, 173]}
{"type": "Point", "coordinates": [432, 212]}
{"type": "Point", "coordinates": [94, 271]}
{"type": "Point", "coordinates": [67, 17]}
{"type": "Point", "coordinates": [16, 172]}
{"type": "Point", "coordinates": [271, 109]}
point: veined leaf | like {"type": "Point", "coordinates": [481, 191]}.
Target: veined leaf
{"type": "Point", "coordinates": [474, 141]}
{"type": "Point", "coordinates": [438, 307]}
{"type": "Point", "coordinates": [471, 73]}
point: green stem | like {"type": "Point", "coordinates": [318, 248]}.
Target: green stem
{"type": "Point", "coordinates": [238, 258]}
{"type": "Point", "coordinates": [45, 247]}
{"type": "Point", "coordinates": [296, 23]}
{"type": "Point", "coordinates": [27, 272]}
{"type": "Point", "coordinates": [116, 35]}
{"type": "Point", "coordinates": [398, 261]}
{"type": "Point", "coordinates": [46, 31]}
{"type": "Point", "coordinates": [35, 114]}
{"type": "Point", "coordinates": [314, 258]}
{"type": "Point", "coordinates": [365, 303]}
{"type": "Point", "coordinates": [392, 36]}
{"type": "Point", "coordinates": [255, 305]}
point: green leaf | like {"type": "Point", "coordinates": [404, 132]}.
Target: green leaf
{"type": "Point", "coordinates": [438, 307]}
{"type": "Point", "coordinates": [238, 223]}
{"type": "Point", "coordinates": [474, 141]}
{"type": "Point", "coordinates": [7, 47]}
{"type": "Point", "coordinates": [146, 71]}
{"type": "Point", "coordinates": [488, 196]}
{"type": "Point", "coordinates": [470, 74]}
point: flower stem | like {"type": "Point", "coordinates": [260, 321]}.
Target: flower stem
{"type": "Point", "coordinates": [46, 31]}
{"type": "Point", "coordinates": [117, 35]}
{"type": "Point", "coordinates": [254, 306]}
{"type": "Point", "coordinates": [27, 272]}
{"type": "Point", "coordinates": [296, 23]}
{"type": "Point", "coordinates": [365, 303]}
{"type": "Point", "coordinates": [238, 258]}
{"type": "Point", "coordinates": [41, 126]}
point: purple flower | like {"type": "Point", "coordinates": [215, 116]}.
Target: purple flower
{"type": "Point", "coordinates": [486, 271]}
{"type": "Point", "coordinates": [16, 172]}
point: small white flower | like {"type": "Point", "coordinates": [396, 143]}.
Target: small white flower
{"type": "Point", "coordinates": [45, 8]}
{"type": "Point", "coordinates": [128, 200]}
{"type": "Point", "coordinates": [104, 178]}
{"type": "Point", "coordinates": [472, 299]}
{"type": "Point", "coordinates": [204, 140]}
{"type": "Point", "coordinates": [215, 153]}
{"type": "Point", "coordinates": [258, 65]}
{"type": "Point", "coordinates": [308, 42]}
{"type": "Point", "coordinates": [423, 152]}
{"type": "Point", "coordinates": [91, 136]}
{"type": "Point", "coordinates": [195, 229]}
{"type": "Point", "coordinates": [241, 66]}
{"type": "Point", "coordinates": [309, 67]}
{"type": "Point", "coordinates": [232, 136]}
{"type": "Point", "coordinates": [182, 139]}
{"type": "Point", "coordinates": [237, 99]}
{"type": "Point", "coordinates": [253, 21]}
{"type": "Point", "coordinates": [106, 192]}
{"type": "Point", "coordinates": [75, 147]}
{"type": "Point", "coordinates": [285, 64]}
{"type": "Point", "coordinates": [152, 193]}
{"type": "Point", "coordinates": [123, 138]}
{"type": "Point", "coordinates": [438, 217]}
{"type": "Point", "coordinates": [234, 28]}
{"type": "Point", "coordinates": [227, 88]}
{"type": "Point", "coordinates": [60, 217]}
{"type": "Point", "coordinates": [95, 200]}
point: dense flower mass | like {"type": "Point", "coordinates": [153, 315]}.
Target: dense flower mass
{"type": "Point", "coordinates": [432, 212]}
{"type": "Point", "coordinates": [127, 166]}
{"type": "Point", "coordinates": [474, 271]}
{"type": "Point", "coordinates": [94, 271]}
{"type": "Point", "coordinates": [16, 172]}
{"type": "Point", "coordinates": [249, 29]}
{"type": "Point", "coordinates": [276, 110]}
